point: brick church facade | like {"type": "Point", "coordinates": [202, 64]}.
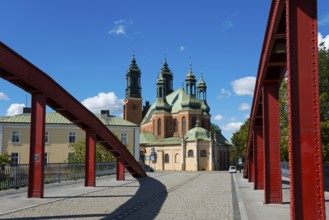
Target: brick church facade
{"type": "Point", "coordinates": [175, 129]}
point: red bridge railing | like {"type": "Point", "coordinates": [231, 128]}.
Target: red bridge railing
{"type": "Point", "coordinates": [290, 46]}
{"type": "Point", "coordinates": [45, 91]}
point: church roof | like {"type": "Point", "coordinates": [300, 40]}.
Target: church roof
{"type": "Point", "coordinates": [222, 140]}
{"type": "Point", "coordinates": [175, 100]}
{"type": "Point", "coordinates": [149, 139]}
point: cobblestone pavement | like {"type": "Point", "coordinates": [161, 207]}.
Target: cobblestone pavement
{"type": "Point", "coordinates": [164, 195]}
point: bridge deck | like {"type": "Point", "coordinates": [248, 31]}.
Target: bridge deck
{"type": "Point", "coordinates": [197, 195]}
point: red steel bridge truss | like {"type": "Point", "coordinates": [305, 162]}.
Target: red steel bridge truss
{"type": "Point", "coordinates": [290, 47]}
{"type": "Point", "coordinates": [45, 91]}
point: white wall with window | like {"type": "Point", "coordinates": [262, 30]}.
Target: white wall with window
{"type": "Point", "coordinates": [14, 158]}
{"type": "Point", "coordinates": [72, 137]}
{"type": "Point", "coordinates": [15, 137]}
{"type": "Point", "coordinates": [124, 138]}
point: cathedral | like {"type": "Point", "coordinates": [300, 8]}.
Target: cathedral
{"type": "Point", "coordinates": [175, 129]}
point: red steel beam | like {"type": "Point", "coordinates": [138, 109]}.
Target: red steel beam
{"type": "Point", "coordinates": [305, 150]}
{"type": "Point", "coordinates": [275, 15]}
{"type": "Point", "coordinates": [271, 132]}
{"type": "Point", "coordinates": [251, 176]}
{"type": "Point", "coordinates": [120, 169]}
{"type": "Point", "coordinates": [37, 147]}
{"type": "Point", "coordinates": [25, 75]}
{"type": "Point", "coordinates": [259, 158]}
{"type": "Point", "coordinates": [90, 169]}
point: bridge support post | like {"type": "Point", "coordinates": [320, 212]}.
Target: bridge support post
{"type": "Point", "coordinates": [251, 176]}
{"type": "Point", "coordinates": [271, 126]}
{"type": "Point", "coordinates": [305, 150]}
{"type": "Point", "coordinates": [37, 147]}
{"type": "Point", "coordinates": [90, 169]}
{"type": "Point", "coordinates": [259, 157]}
{"type": "Point", "coordinates": [120, 168]}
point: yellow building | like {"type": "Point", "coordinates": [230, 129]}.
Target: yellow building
{"type": "Point", "coordinates": [59, 134]}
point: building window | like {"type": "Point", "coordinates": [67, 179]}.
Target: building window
{"type": "Point", "coordinates": [175, 125]}
{"type": "Point", "coordinates": [184, 125]}
{"type": "Point", "coordinates": [159, 126]}
{"type": "Point", "coordinates": [45, 159]}
{"type": "Point", "coordinates": [166, 158]}
{"type": "Point", "coordinates": [14, 158]}
{"type": "Point", "coordinates": [177, 158]}
{"type": "Point", "coordinates": [15, 137]}
{"type": "Point", "coordinates": [70, 157]}
{"type": "Point", "coordinates": [46, 137]}
{"type": "Point", "coordinates": [124, 138]}
{"type": "Point", "coordinates": [190, 153]}
{"type": "Point", "coordinates": [71, 137]}
{"type": "Point", "coordinates": [203, 153]}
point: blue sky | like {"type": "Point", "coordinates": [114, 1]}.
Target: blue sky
{"type": "Point", "coordinates": [87, 47]}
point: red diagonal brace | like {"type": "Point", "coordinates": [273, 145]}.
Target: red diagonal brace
{"type": "Point", "coordinates": [259, 157]}
{"type": "Point", "coordinates": [90, 158]}
{"type": "Point", "coordinates": [271, 126]}
{"type": "Point", "coordinates": [37, 147]}
{"type": "Point", "coordinates": [305, 150]}
{"type": "Point", "coordinates": [120, 168]}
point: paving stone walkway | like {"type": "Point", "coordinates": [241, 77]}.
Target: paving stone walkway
{"type": "Point", "coordinates": [167, 195]}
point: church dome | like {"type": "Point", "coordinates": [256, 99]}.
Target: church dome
{"type": "Point", "coordinates": [197, 133]}
{"type": "Point", "coordinates": [190, 102]}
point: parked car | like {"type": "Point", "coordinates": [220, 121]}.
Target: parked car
{"type": "Point", "coordinates": [232, 169]}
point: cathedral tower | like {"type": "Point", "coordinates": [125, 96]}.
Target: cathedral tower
{"type": "Point", "coordinates": [132, 108]}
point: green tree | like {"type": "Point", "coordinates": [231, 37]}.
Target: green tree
{"type": "Point", "coordinates": [239, 140]}
{"type": "Point", "coordinates": [79, 154]}
{"type": "Point", "coordinates": [283, 97]}
{"type": "Point", "coordinates": [4, 159]}
{"type": "Point", "coordinates": [324, 99]}
{"type": "Point", "coordinates": [214, 128]}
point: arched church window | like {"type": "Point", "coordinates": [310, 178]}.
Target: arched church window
{"type": "Point", "coordinates": [166, 158]}
{"type": "Point", "coordinates": [175, 125]}
{"type": "Point", "coordinates": [184, 125]}
{"type": "Point", "coordinates": [203, 153]}
{"type": "Point", "coordinates": [190, 153]}
{"type": "Point", "coordinates": [159, 126]}
{"type": "Point", "coordinates": [177, 158]}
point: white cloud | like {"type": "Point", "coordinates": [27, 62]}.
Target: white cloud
{"type": "Point", "coordinates": [218, 117]}
{"type": "Point", "coordinates": [324, 21]}
{"type": "Point", "coordinates": [232, 119]}
{"type": "Point", "coordinates": [181, 48]}
{"type": "Point", "coordinates": [244, 107]}
{"type": "Point", "coordinates": [228, 22]}
{"type": "Point", "coordinates": [247, 116]}
{"type": "Point", "coordinates": [120, 21]}
{"type": "Point", "coordinates": [15, 109]}
{"type": "Point", "coordinates": [232, 126]}
{"type": "Point", "coordinates": [3, 96]}
{"type": "Point", "coordinates": [104, 101]}
{"type": "Point", "coordinates": [120, 27]}
{"type": "Point", "coordinates": [244, 86]}
{"type": "Point", "coordinates": [224, 93]}
{"type": "Point", "coordinates": [323, 39]}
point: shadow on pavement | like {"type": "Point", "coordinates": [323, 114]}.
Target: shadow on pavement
{"type": "Point", "coordinates": [151, 193]}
